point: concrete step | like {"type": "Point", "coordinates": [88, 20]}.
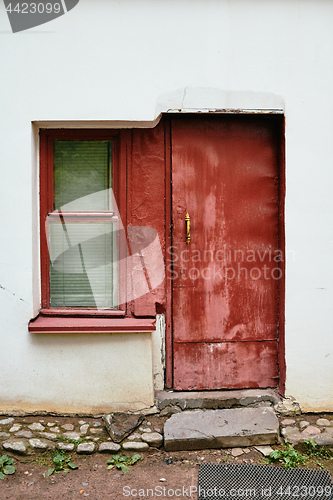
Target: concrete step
{"type": "Point", "coordinates": [214, 400]}
{"type": "Point", "coordinates": [200, 429]}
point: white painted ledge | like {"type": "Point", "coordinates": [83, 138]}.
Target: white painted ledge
{"type": "Point", "coordinates": [185, 100]}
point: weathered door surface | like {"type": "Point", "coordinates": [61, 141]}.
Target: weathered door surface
{"type": "Point", "coordinates": [226, 279]}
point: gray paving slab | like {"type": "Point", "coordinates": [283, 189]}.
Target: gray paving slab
{"type": "Point", "coordinates": [238, 427]}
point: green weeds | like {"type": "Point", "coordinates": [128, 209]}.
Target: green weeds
{"type": "Point", "coordinates": [61, 464]}
{"type": "Point", "coordinates": [123, 463]}
{"type": "Point", "coordinates": [68, 440]}
{"type": "Point", "coordinates": [289, 457]}
{"type": "Point", "coordinates": [41, 461]}
{"type": "Point", "coordinates": [6, 466]}
{"type": "Point", "coordinates": [313, 450]}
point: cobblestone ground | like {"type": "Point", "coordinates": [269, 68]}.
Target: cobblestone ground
{"type": "Point", "coordinates": [85, 436]}
{"type": "Point", "coordinates": [314, 427]}
{"type": "Point", "coordinates": [31, 440]}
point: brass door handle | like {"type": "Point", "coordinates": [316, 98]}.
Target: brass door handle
{"type": "Point", "coordinates": [188, 235]}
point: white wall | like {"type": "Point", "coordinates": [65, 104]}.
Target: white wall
{"type": "Point", "coordinates": [112, 60]}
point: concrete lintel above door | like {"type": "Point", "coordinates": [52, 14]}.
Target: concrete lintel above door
{"type": "Point", "coordinates": [210, 100]}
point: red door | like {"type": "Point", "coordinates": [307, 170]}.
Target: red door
{"type": "Point", "coordinates": [226, 279]}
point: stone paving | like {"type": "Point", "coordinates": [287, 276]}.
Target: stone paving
{"type": "Point", "coordinates": [26, 435]}
{"type": "Point", "coordinates": [303, 427]}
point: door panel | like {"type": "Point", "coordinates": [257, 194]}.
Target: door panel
{"type": "Point", "coordinates": [225, 281]}
{"type": "Point", "coordinates": [203, 365]}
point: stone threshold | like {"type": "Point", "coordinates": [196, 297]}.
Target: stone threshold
{"type": "Point", "coordinates": [169, 402]}
{"type": "Point", "coordinates": [227, 428]}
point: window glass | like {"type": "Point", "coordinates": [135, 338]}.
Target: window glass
{"type": "Point", "coordinates": [83, 271]}
{"type": "Point", "coordinates": [82, 168]}
{"type": "Point", "coordinates": [83, 245]}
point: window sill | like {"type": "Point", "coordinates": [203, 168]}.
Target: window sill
{"type": "Point", "coordinates": [82, 312]}
{"type": "Point", "coordinates": [93, 324]}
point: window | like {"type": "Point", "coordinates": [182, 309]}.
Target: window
{"type": "Point", "coordinates": [80, 223]}
{"type": "Point", "coordinates": [82, 229]}
{"type": "Point", "coordinates": [85, 262]}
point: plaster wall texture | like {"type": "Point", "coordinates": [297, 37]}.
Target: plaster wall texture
{"type": "Point", "coordinates": [88, 374]}
{"type": "Point", "coordinates": [122, 63]}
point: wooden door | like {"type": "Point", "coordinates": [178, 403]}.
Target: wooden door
{"type": "Point", "coordinates": [226, 280]}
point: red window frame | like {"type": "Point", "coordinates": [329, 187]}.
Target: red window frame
{"type": "Point", "coordinates": [47, 137]}
{"type": "Point", "coordinates": [84, 320]}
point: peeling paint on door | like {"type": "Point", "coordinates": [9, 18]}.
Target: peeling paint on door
{"type": "Point", "coordinates": [225, 282]}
